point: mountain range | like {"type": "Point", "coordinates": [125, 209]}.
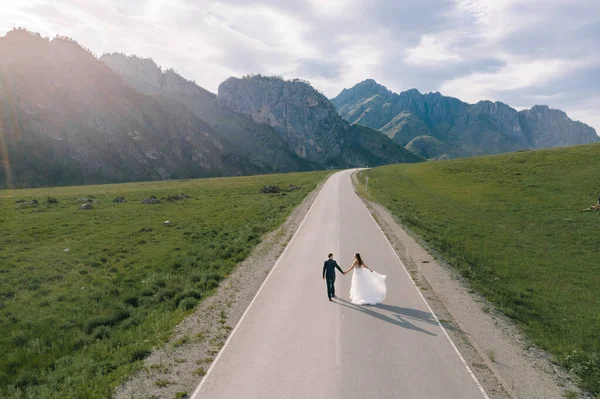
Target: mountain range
{"type": "Point", "coordinates": [69, 117]}
{"type": "Point", "coordinates": [438, 127]}
{"type": "Point", "coordinates": [295, 115]}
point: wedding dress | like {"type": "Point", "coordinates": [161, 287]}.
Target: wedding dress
{"type": "Point", "coordinates": [367, 288]}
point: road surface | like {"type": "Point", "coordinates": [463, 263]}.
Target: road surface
{"type": "Point", "coordinates": [293, 343]}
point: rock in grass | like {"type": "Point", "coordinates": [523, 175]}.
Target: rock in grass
{"type": "Point", "coordinates": [119, 200]}
{"type": "Point", "coordinates": [270, 190]}
{"type": "Point", "coordinates": [177, 197]}
{"type": "Point", "coordinates": [20, 201]}
{"type": "Point", "coordinates": [86, 207]}
{"type": "Point", "coordinates": [85, 199]}
{"type": "Point", "coordinates": [167, 222]}
{"type": "Point", "coordinates": [593, 208]}
{"type": "Point", "coordinates": [151, 200]}
{"type": "Point", "coordinates": [67, 250]}
{"type": "Point", "coordinates": [293, 187]}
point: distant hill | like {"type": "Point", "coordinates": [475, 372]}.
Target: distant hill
{"type": "Point", "coordinates": [302, 122]}
{"type": "Point", "coordinates": [309, 123]}
{"type": "Point", "coordinates": [257, 142]}
{"type": "Point", "coordinates": [449, 128]}
{"type": "Point", "coordinates": [66, 118]}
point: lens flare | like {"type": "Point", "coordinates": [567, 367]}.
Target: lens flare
{"type": "Point", "coordinates": [4, 158]}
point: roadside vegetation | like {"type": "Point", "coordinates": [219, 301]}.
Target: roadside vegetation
{"type": "Point", "coordinates": [513, 226]}
{"type": "Point", "coordinates": [85, 295]}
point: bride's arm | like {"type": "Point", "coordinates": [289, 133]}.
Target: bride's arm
{"type": "Point", "coordinates": [366, 267]}
{"type": "Point", "coordinates": [351, 267]}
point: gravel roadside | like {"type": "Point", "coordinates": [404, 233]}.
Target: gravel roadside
{"type": "Point", "coordinates": [504, 361]}
{"type": "Point", "coordinates": [175, 369]}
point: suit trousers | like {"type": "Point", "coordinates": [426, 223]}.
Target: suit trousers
{"type": "Point", "coordinates": [330, 286]}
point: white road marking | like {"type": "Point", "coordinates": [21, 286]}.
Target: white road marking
{"type": "Point", "coordinates": [212, 366]}
{"type": "Point", "coordinates": [462, 359]}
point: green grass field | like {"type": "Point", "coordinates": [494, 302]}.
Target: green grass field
{"type": "Point", "coordinates": [512, 224]}
{"type": "Point", "coordinates": [75, 324]}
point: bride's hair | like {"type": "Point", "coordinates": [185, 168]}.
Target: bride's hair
{"type": "Point", "coordinates": [359, 259]}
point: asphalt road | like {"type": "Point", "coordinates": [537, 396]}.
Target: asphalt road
{"type": "Point", "coordinates": [293, 343]}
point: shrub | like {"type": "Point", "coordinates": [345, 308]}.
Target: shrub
{"type": "Point", "coordinates": [102, 332]}
{"type": "Point", "coordinates": [27, 379]}
{"type": "Point", "coordinates": [19, 339]}
{"type": "Point", "coordinates": [110, 321]}
{"type": "Point", "coordinates": [139, 354]}
{"type": "Point", "coordinates": [132, 301]}
{"type": "Point", "coordinates": [187, 303]}
{"type": "Point", "coordinates": [187, 294]}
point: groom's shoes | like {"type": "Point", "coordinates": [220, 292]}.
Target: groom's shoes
{"type": "Point", "coordinates": [333, 296]}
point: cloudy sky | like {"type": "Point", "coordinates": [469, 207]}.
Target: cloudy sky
{"type": "Point", "coordinates": [522, 52]}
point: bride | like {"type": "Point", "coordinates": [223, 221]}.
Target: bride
{"type": "Point", "coordinates": [367, 287]}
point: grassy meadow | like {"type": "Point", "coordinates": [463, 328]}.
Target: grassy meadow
{"type": "Point", "coordinates": [513, 225]}
{"type": "Point", "coordinates": [76, 323]}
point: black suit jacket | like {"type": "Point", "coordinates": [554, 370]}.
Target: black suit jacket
{"type": "Point", "coordinates": [329, 268]}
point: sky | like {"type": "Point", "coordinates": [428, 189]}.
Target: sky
{"type": "Point", "coordinates": [521, 52]}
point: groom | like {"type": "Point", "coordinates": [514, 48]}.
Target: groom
{"type": "Point", "coordinates": [329, 274]}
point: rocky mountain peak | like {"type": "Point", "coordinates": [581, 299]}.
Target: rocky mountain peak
{"type": "Point", "coordinates": [372, 86]}
{"type": "Point", "coordinates": [147, 76]}
{"type": "Point", "coordinates": [411, 92]}
{"type": "Point", "coordinates": [365, 89]}
{"type": "Point", "coordinates": [307, 120]}
{"type": "Point", "coordinates": [547, 127]}
{"type": "Point", "coordinates": [540, 108]}
{"type": "Point", "coordinates": [468, 129]}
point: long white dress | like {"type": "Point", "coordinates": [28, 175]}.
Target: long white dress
{"type": "Point", "coordinates": [367, 288]}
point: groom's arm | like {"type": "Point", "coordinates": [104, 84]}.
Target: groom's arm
{"type": "Point", "coordinates": [338, 267]}
{"type": "Point", "coordinates": [324, 268]}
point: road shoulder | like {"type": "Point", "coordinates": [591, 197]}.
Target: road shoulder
{"type": "Point", "coordinates": [506, 364]}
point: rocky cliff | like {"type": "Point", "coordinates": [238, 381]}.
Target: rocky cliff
{"type": "Point", "coordinates": [305, 118]}
{"type": "Point", "coordinates": [308, 122]}
{"type": "Point", "coordinates": [464, 129]}
{"type": "Point", "coordinates": [66, 118]}
{"type": "Point", "coordinates": [259, 143]}
{"type": "Point", "coordinates": [547, 127]}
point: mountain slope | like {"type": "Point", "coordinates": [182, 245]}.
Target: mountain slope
{"type": "Point", "coordinates": [466, 130]}
{"type": "Point", "coordinates": [309, 123]}
{"type": "Point", "coordinates": [257, 142]}
{"type": "Point", "coordinates": [66, 118]}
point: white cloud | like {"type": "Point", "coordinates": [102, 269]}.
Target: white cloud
{"type": "Point", "coordinates": [516, 74]}
{"type": "Point", "coordinates": [334, 8]}
{"type": "Point", "coordinates": [517, 51]}
{"type": "Point", "coordinates": [268, 27]}
{"type": "Point", "coordinates": [432, 49]}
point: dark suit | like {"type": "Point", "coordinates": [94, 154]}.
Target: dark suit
{"type": "Point", "coordinates": [329, 273]}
